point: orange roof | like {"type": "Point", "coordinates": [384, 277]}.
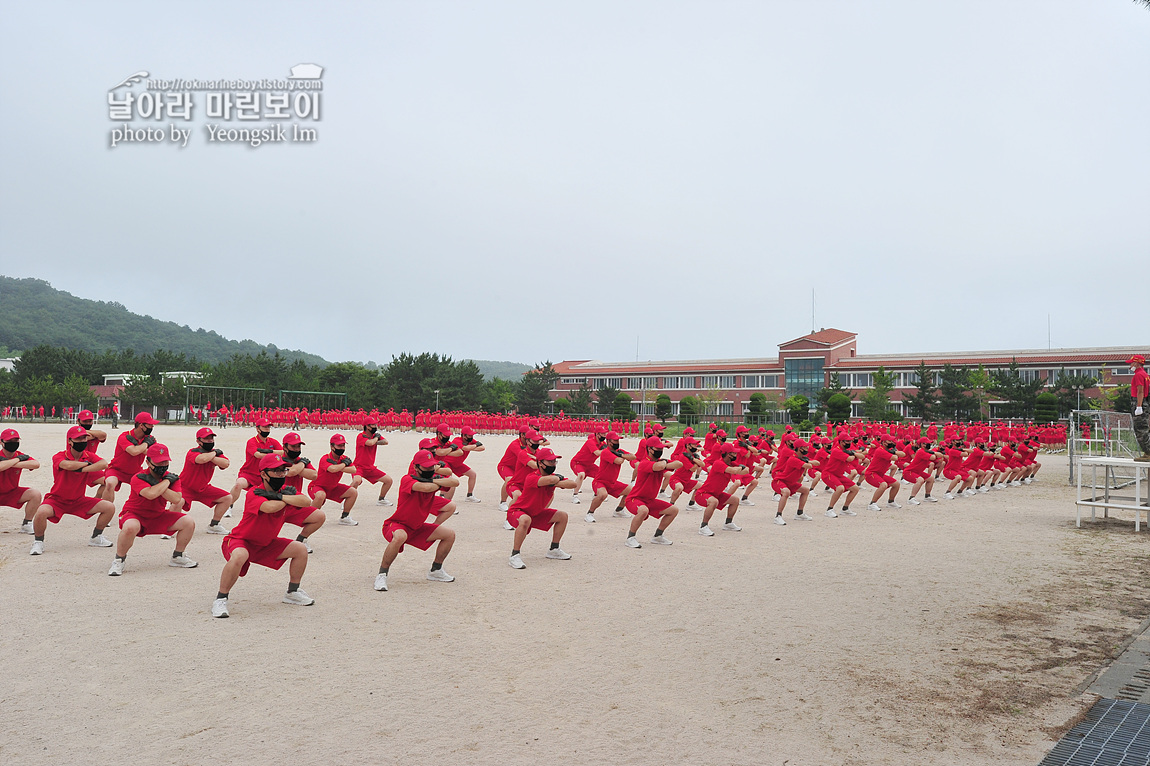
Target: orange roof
{"type": "Point", "coordinates": [826, 337]}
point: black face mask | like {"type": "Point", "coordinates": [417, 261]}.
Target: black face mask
{"type": "Point", "coordinates": [79, 447]}
{"type": "Point", "coordinates": [86, 426]}
{"type": "Point", "coordinates": [337, 450]}
{"type": "Point", "coordinates": [427, 475]}
{"type": "Point", "coordinates": [443, 440]}
{"type": "Point", "coordinates": [12, 446]}
{"type": "Point", "coordinates": [532, 447]}
{"type": "Point", "coordinates": [292, 453]}
{"type": "Point", "coordinates": [729, 458]}
{"type": "Point", "coordinates": [276, 482]}
{"type": "Point", "coordinates": [264, 434]}
{"type": "Point", "coordinates": [547, 470]}
{"type": "Point", "coordinates": [207, 446]}
{"type": "Point", "coordinates": [656, 454]}
{"type": "Point", "coordinates": [159, 470]}
{"type": "Point", "coordinates": [371, 429]}
{"type": "Point", "coordinates": [147, 430]}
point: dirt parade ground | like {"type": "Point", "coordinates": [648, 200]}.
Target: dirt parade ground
{"type": "Point", "coordinates": [953, 633]}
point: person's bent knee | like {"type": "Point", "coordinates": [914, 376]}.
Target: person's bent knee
{"type": "Point", "coordinates": [559, 516]}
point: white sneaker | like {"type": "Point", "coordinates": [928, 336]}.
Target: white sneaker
{"type": "Point", "coordinates": [381, 581]}
{"type": "Point", "coordinates": [660, 540]}
{"type": "Point", "coordinates": [383, 502]}
{"type": "Point", "coordinates": [780, 521]}
{"type": "Point", "coordinates": [633, 542]}
{"type": "Point", "coordinates": [503, 506]}
{"type": "Point", "coordinates": [99, 541]}
{"type": "Point", "coordinates": [804, 517]}
{"type": "Point", "coordinates": [37, 548]}
{"type": "Point", "coordinates": [914, 501]}
{"type": "Point", "coordinates": [812, 493]}
{"type": "Point", "coordinates": [930, 499]}
{"type": "Point", "coordinates": [948, 496]}
{"type": "Point", "coordinates": [307, 544]}
{"type": "Point", "coordinates": [220, 607]}
{"type": "Point", "coordinates": [507, 525]}
{"type": "Point", "coordinates": [516, 562]}
{"type": "Point", "coordinates": [893, 504]}
{"type": "Point", "coordinates": [731, 526]}
{"type": "Point", "coordinates": [984, 490]}
{"type": "Point", "coordinates": [1016, 484]}
{"type": "Point", "coordinates": [438, 575]}
{"type": "Point", "coordinates": [348, 521]}
{"type": "Point", "coordinates": [693, 506]}
{"type": "Point", "coordinates": [904, 482]}
{"type": "Point", "coordinates": [748, 503]}
{"type": "Point", "coordinates": [298, 598]}
{"type": "Point", "coordinates": [558, 554]}
{"type": "Point", "coordinates": [830, 514]}
{"type": "Point", "coordinates": [468, 499]}
{"type": "Point", "coordinates": [777, 497]}
{"type": "Point", "coordinates": [217, 529]}
{"type": "Point", "coordinates": [117, 567]}
{"type": "Point", "coordinates": [227, 515]}
{"type": "Point", "coordinates": [849, 512]}
{"type": "Point", "coordinates": [873, 507]}
{"type": "Point", "coordinates": [165, 537]}
{"type": "Point", "coordinates": [575, 500]}
{"type": "Point", "coordinates": [183, 562]}
{"type": "Point", "coordinates": [1028, 480]}
{"type": "Point", "coordinates": [26, 528]}
{"type": "Point", "coordinates": [665, 493]}
{"type": "Point", "coordinates": [589, 518]}
{"type": "Point", "coordinates": [619, 513]}
{"type": "Point", "coordinates": [705, 531]}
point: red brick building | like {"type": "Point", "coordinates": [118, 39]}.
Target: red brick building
{"type": "Point", "coordinates": [805, 365]}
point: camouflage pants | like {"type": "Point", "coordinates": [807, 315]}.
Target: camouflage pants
{"type": "Point", "coordinates": [1142, 429]}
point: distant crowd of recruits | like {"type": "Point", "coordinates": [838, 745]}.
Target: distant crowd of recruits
{"type": "Point", "coordinates": [719, 473]}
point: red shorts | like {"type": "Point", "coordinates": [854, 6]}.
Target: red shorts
{"type": "Point", "coordinates": [94, 477]}
{"type": "Point", "coordinates": [125, 478]}
{"type": "Point", "coordinates": [778, 486]}
{"type": "Point", "coordinates": [655, 506]}
{"type": "Point", "coordinates": [370, 473]}
{"type": "Point", "coordinates": [952, 474]}
{"type": "Point", "coordinates": [12, 499]}
{"type": "Point", "coordinates": [437, 504]}
{"type": "Point", "coordinates": [209, 496]}
{"type": "Point", "coordinates": [880, 479]}
{"type": "Point", "coordinates": [152, 524]}
{"type": "Point", "coordinates": [589, 470]}
{"type": "Point", "coordinates": [264, 555]}
{"type": "Point", "coordinates": [505, 473]}
{"type": "Point", "coordinates": [702, 498]}
{"type": "Point", "coordinates": [336, 493]}
{"type": "Point", "coordinates": [253, 479]}
{"type": "Point", "coordinates": [688, 484]}
{"type": "Point", "coordinates": [614, 488]}
{"type": "Point", "coordinates": [82, 507]}
{"type": "Point", "coordinates": [419, 537]}
{"type": "Point", "coordinates": [745, 479]}
{"type": "Point", "coordinates": [835, 482]}
{"type": "Point", "coordinates": [913, 476]}
{"type": "Point", "coordinates": [297, 517]}
{"type": "Point", "coordinates": [812, 472]}
{"type": "Point", "coordinates": [541, 521]}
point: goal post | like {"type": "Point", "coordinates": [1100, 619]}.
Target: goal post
{"type": "Point", "coordinates": [202, 402]}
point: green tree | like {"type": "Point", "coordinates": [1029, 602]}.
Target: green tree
{"type": "Point", "coordinates": [663, 407]}
{"type": "Point", "coordinates": [757, 407]}
{"type": "Point", "coordinates": [533, 391]}
{"type": "Point", "coordinates": [876, 401]}
{"type": "Point", "coordinates": [606, 396]}
{"type": "Point", "coordinates": [839, 408]}
{"type": "Point", "coordinates": [980, 382]}
{"type": "Point", "coordinates": [1046, 407]}
{"type": "Point", "coordinates": [623, 409]}
{"type": "Point", "coordinates": [1120, 399]}
{"type": "Point", "coordinates": [498, 395]}
{"type": "Point", "coordinates": [798, 408]}
{"type": "Point", "coordinates": [835, 386]}
{"type": "Point", "coordinates": [921, 403]}
{"type": "Point", "coordinates": [563, 404]}
{"type": "Point", "coordinates": [1071, 389]}
{"type": "Point", "coordinates": [581, 399]}
{"type": "Point", "coordinates": [689, 410]}
{"type": "Point", "coordinates": [1019, 394]}
{"type": "Point", "coordinates": [954, 399]}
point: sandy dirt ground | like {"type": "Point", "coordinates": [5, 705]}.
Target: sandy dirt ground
{"type": "Point", "coordinates": [957, 633]}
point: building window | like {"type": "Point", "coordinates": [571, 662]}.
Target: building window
{"type": "Point", "coordinates": [856, 379]}
{"type": "Point", "coordinates": [573, 381]}
{"type": "Point", "coordinates": [803, 376]}
{"type": "Point", "coordinates": [608, 383]}
{"type": "Point", "coordinates": [718, 381]}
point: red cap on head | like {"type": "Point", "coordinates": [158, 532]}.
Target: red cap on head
{"type": "Point", "coordinates": [338, 439]}
{"type": "Point", "coordinates": [657, 425]}
{"type": "Point", "coordinates": [85, 415]}
{"type": "Point", "coordinates": [158, 453]}
{"type": "Point", "coordinates": [369, 421]}
{"type": "Point", "coordinates": [263, 423]}
{"type": "Point", "coordinates": [688, 431]}
{"type": "Point", "coordinates": [293, 438]}
{"type": "Point", "coordinates": [268, 462]}
{"type": "Point", "coordinates": [726, 448]}
{"type": "Point", "coordinates": [204, 433]}
{"type": "Point", "coordinates": [534, 422]}
{"type": "Point", "coordinates": [770, 433]}
{"type": "Point", "coordinates": [427, 444]}
{"type": "Point", "coordinates": [523, 429]}
{"type": "Point", "coordinates": [720, 433]}
{"type": "Point", "coordinates": [612, 436]}
{"type": "Point", "coordinates": [714, 425]}
{"type": "Point", "coordinates": [1136, 358]}
{"type": "Point", "coordinates": [533, 436]}
{"type": "Point", "coordinates": [653, 442]}
{"type": "Point", "coordinates": [742, 430]}
{"type": "Point", "coordinates": [467, 431]}
{"type": "Point", "coordinates": [9, 434]}
{"type": "Point", "coordinates": [762, 429]}
{"type": "Point", "coordinates": [75, 432]}
{"type": "Point", "coordinates": [145, 419]}
{"type": "Point", "coordinates": [545, 453]}
{"type": "Point", "coordinates": [427, 462]}
{"type": "Point", "coordinates": [444, 429]}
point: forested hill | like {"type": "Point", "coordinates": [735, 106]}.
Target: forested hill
{"type": "Point", "coordinates": [35, 313]}
{"type": "Point", "coordinates": [506, 370]}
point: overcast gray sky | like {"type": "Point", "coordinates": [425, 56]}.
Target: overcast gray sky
{"type": "Point", "coordinates": [943, 175]}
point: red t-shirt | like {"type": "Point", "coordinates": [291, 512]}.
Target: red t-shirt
{"type": "Point", "coordinates": [326, 479]}
{"type": "Point", "coordinates": [608, 468]}
{"type": "Point", "coordinates": [196, 476]}
{"type": "Point", "coordinates": [364, 453]}
{"type": "Point", "coordinates": [138, 504]}
{"type": "Point", "coordinates": [121, 460]}
{"type": "Point", "coordinates": [258, 528]}
{"type": "Point", "coordinates": [10, 479]}
{"type": "Point", "coordinates": [534, 499]}
{"type": "Point", "coordinates": [252, 454]}
{"type": "Point", "coordinates": [647, 481]}
{"type": "Point", "coordinates": [413, 507]}
{"type": "Point", "coordinates": [1141, 383]}
{"type": "Point", "coordinates": [791, 471]}
{"type": "Point", "coordinates": [879, 461]}
{"type": "Point", "coordinates": [69, 485]}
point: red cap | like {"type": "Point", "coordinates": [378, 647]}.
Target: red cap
{"type": "Point", "coordinates": [158, 453]}
{"type": "Point", "coordinates": [726, 448]}
{"type": "Point", "coordinates": [427, 462]}
{"type": "Point", "coordinates": [688, 431]}
{"type": "Point", "coordinates": [533, 436]}
{"type": "Point", "coordinates": [545, 453]}
{"type": "Point", "coordinates": [523, 429]}
{"type": "Point", "coordinates": [534, 423]}
{"type": "Point", "coordinates": [742, 430]}
{"type": "Point", "coordinates": [444, 429]}
{"type": "Point", "coordinates": [770, 433]}
{"type": "Point", "coordinates": [714, 425]}
{"type": "Point", "coordinates": [204, 433]}
{"type": "Point", "coordinates": [599, 428]}
{"type": "Point", "coordinates": [762, 429]}
{"type": "Point", "coordinates": [612, 436]}
{"type": "Point", "coordinates": [76, 432]}
{"type": "Point", "coordinates": [369, 421]}
{"type": "Point", "coordinates": [292, 438]}
{"type": "Point", "coordinates": [263, 422]}
{"type": "Point", "coordinates": [338, 439]}
{"type": "Point", "coordinates": [1136, 358]}
{"type": "Point", "coordinates": [85, 415]}
{"type": "Point", "coordinates": [145, 419]}
{"type": "Point", "coordinates": [427, 444]}
{"type": "Point", "coordinates": [9, 434]}
{"type": "Point", "coordinates": [268, 462]}
{"type": "Point", "coordinates": [467, 431]}
{"type": "Point", "coordinates": [657, 425]}
{"type": "Point", "coordinates": [653, 442]}
{"type": "Point", "coordinates": [720, 433]}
